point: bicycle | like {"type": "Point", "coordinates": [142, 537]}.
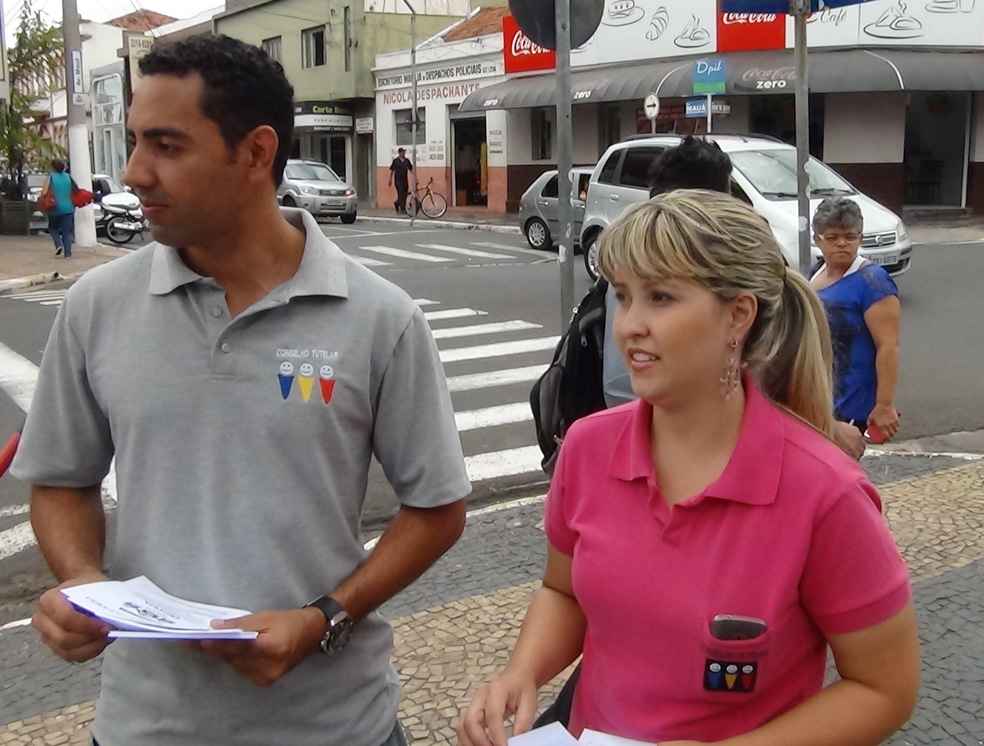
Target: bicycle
{"type": "Point", "coordinates": [432, 204]}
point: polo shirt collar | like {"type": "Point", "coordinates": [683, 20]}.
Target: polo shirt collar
{"type": "Point", "coordinates": [321, 271]}
{"type": "Point", "coordinates": [752, 474]}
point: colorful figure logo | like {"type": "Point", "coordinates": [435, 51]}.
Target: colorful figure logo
{"type": "Point", "coordinates": [286, 376]}
{"type": "Point", "coordinates": [306, 381]}
{"type": "Point", "coordinates": [724, 676]}
{"type": "Point", "coordinates": [326, 377]}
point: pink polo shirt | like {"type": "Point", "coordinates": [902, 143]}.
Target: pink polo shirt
{"type": "Point", "coordinates": [791, 533]}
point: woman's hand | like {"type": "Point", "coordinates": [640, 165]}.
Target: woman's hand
{"type": "Point", "coordinates": [885, 418]}
{"type": "Point", "coordinates": [850, 440]}
{"type": "Point", "coordinates": [483, 723]}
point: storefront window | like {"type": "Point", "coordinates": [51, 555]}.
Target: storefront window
{"type": "Point", "coordinates": [541, 135]}
{"type": "Point", "coordinates": [313, 47]}
{"type": "Point", "coordinates": [609, 125]}
{"type": "Point", "coordinates": [404, 129]}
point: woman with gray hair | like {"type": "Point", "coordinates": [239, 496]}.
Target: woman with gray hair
{"type": "Point", "coordinates": [707, 542]}
{"type": "Point", "coordinates": [863, 309]}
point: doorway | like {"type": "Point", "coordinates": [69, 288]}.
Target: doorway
{"type": "Point", "coordinates": [775, 115]}
{"type": "Point", "coordinates": [331, 149]}
{"type": "Point", "coordinates": [935, 155]}
{"type": "Point", "coordinates": [470, 162]}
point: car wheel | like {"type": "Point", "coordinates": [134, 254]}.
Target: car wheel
{"type": "Point", "coordinates": [590, 250]}
{"type": "Point", "coordinates": [349, 218]}
{"type": "Point", "coordinates": [289, 201]}
{"type": "Point", "coordinates": [537, 234]}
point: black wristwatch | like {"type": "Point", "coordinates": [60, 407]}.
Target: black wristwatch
{"type": "Point", "coordinates": [339, 624]}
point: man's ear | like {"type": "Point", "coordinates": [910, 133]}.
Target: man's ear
{"type": "Point", "coordinates": [260, 148]}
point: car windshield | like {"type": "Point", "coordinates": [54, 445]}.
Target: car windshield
{"type": "Point", "coordinates": [773, 174]}
{"type": "Point", "coordinates": [310, 172]}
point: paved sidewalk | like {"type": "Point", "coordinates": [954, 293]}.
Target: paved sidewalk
{"type": "Point", "coordinates": [27, 260]}
{"type": "Point", "coordinates": [455, 626]}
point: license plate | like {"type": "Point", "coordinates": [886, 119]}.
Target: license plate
{"type": "Point", "coordinates": [886, 259]}
{"type": "Point", "coordinates": [335, 203]}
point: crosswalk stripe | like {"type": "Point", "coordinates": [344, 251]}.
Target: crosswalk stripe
{"type": "Point", "coordinates": [425, 302]}
{"type": "Point", "coordinates": [368, 261]}
{"type": "Point", "coordinates": [496, 327]}
{"type": "Point", "coordinates": [498, 349]}
{"type": "Point", "coordinates": [454, 313]}
{"type": "Point", "coordinates": [38, 295]}
{"type": "Point", "coordinates": [464, 252]}
{"type": "Point", "coordinates": [508, 463]}
{"type": "Point", "coordinates": [52, 302]}
{"type": "Point", "coordinates": [404, 254]}
{"type": "Point", "coordinates": [493, 378]}
{"type": "Point", "coordinates": [519, 249]}
{"type": "Point", "coordinates": [503, 414]}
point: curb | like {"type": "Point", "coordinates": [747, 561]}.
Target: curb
{"type": "Point", "coordinates": [450, 224]}
{"type": "Point", "coordinates": [15, 283]}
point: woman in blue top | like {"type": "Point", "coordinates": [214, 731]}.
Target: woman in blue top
{"type": "Point", "coordinates": [862, 304]}
{"type": "Point", "coordinates": [61, 218]}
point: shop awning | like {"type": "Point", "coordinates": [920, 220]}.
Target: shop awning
{"type": "Point", "coordinates": [749, 73]}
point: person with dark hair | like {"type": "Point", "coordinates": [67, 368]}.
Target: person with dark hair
{"type": "Point", "coordinates": [61, 217]}
{"type": "Point", "coordinates": [693, 164]}
{"type": "Point", "coordinates": [254, 374]}
{"type": "Point", "coordinates": [863, 308]}
{"type": "Point", "coordinates": [400, 170]}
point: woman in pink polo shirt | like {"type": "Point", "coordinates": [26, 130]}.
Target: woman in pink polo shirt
{"type": "Point", "coordinates": [709, 541]}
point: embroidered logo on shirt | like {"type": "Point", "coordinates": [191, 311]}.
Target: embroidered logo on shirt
{"type": "Point", "coordinates": [306, 378]}
{"type": "Point", "coordinates": [286, 377]}
{"type": "Point", "coordinates": [724, 676]}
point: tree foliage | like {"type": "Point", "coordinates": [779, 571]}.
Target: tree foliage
{"type": "Point", "coordinates": [32, 66]}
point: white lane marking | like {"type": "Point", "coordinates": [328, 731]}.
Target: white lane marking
{"type": "Point", "coordinates": [18, 377]}
{"type": "Point", "coordinates": [508, 463]}
{"type": "Point", "coordinates": [52, 302]}
{"type": "Point", "coordinates": [424, 302]}
{"type": "Point", "coordinates": [16, 539]}
{"type": "Point", "coordinates": [493, 378]}
{"type": "Point", "coordinates": [13, 625]}
{"type": "Point", "coordinates": [12, 510]}
{"type": "Point", "coordinates": [496, 327]}
{"type": "Point", "coordinates": [464, 252]}
{"type": "Point", "coordinates": [38, 295]}
{"type": "Point", "coordinates": [498, 349]}
{"type": "Point", "coordinates": [404, 254]}
{"type": "Point", "coordinates": [368, 261]}
{"type": "Point", "coordinates": [503, 414]}
{"type": "Point", "coordinates": [521, 502]}
{"type": "Point", "coordinates": [454, 313]}
{"type": "Point", "coordinates": [517, 249]}
{"type": "Point", "coordinates": [873, 452]}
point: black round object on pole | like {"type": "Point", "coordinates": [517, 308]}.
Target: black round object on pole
{"type": "Point", "coordinates": [536, 19]}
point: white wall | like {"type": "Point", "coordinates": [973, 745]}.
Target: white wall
{"type": "Point", "coordinates": [423, 7]}
{"type": "Point", "coordinates": [864, 127]}
{"type": "Point", "coordinates": [99, 47]}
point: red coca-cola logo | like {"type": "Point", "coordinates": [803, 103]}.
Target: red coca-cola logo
{"type": "Point", "coordinates": [732, 18]}
{"type": "Point", "coordinates": [522, 54]}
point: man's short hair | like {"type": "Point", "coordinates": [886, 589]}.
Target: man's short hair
{"type": "Point", "coordinates": [693, 164]}
{"type": "Point", "coordinates": [58, 165]}
{"type": "Point", "coordinates": [401, 150]}
{"type": "Point", "coordinates": [244, 88]}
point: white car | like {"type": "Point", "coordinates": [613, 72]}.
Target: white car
{"type": "Point", "coordinates": [763, 174]}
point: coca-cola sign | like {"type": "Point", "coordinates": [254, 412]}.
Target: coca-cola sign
{"type": "Point", "coordinates": [520, 53]}
{"type": "Point", "coordinates": [741, 32]}
{"type": "Point", "coordinates": [768, 79]}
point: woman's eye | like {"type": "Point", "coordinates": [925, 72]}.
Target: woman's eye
{"type": "Point", "coordinates": [659, 297]}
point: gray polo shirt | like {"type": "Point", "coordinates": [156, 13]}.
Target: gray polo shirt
{"type": "Point", "coordinates": [243, 447]}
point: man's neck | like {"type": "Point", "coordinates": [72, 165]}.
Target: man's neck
{"type": "Point", "coordinates": [258, 255]}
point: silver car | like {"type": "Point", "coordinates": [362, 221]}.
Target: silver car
{"type": "Point", "coordinates": [539, 208]}
{"type": "Point", "coordinates": [318, 189]}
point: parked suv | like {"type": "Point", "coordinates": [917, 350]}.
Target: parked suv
{"type": "Point", "coordinates": [316, 188]}
{"type": "Point", "coordinates": [763, 174]}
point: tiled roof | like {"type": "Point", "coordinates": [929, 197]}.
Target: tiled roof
{"type": "Point", "coordinates": [141, 20]}
{"type": "Point", "coordinates": [486, 21]}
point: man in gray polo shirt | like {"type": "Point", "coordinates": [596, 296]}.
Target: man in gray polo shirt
{"type": "Point", "coordinates": [243, 371]}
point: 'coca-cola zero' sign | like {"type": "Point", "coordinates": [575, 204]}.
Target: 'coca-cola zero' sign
{"type": "Point", "coordinates": [520, 54]}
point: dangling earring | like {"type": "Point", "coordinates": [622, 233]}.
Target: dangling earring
{"type": "Point", "coordinates": [731, 376]}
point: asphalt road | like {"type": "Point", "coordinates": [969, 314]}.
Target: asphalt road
{"type": "Point", "coordinates": [473, 279]}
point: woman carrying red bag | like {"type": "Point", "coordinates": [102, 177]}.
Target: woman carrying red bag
{"type": "Point", "coordinates": [58, 192]}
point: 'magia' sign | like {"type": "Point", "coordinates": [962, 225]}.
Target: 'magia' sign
{"type": "Point", "coordinates": [520, 53]}
{"type": "Point", "coordinates": [741, 32]}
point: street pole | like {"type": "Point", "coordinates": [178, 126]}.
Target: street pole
{"type": "Point", "coordinates": [565, 147]}
{"type": "Point", "coordinates": [709, 97]}
{"type": "Point", "coordinates": [800, 9]}
{"type": "Point", "coordinates": [413, 105]}
{"type": "Point", "coordinates": [78, 128]}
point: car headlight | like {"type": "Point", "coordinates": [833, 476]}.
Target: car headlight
{"type": "Point", "coordinates": [350, 192]}
{"type": "Point", "coordinates": [900, 233]}
{"type": "Point", "coordinates": [309, 190]}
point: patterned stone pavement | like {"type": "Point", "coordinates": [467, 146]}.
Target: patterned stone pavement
{"type": "Point", "coordinates": [456, 625]}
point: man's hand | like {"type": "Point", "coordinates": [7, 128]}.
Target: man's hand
{"type": "Point", "coordinates": [849, 439]}
{"type": "Point", "coordinates": [390, 181]}
{"type": "Point", "coordinates": [885, 418]}
{"type": "Point", "coordinates": [72, 635]}
{"type": "Point", "coordinates": [286, 638]}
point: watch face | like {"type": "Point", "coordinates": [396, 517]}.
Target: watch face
{"type": "Point", "coordinates": [338, 636]}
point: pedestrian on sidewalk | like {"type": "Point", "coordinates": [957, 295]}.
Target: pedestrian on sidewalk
{"type": "Point", "coordinates": [255, 374]}
{"type": "Point", "coordinates": [400, 170]}
{"type": "Point", "coordinates": [863, 308]}
{"type": "Point", "coordinates": [61, 217]}
{"type": "Point", "coordinates": [707, 542]}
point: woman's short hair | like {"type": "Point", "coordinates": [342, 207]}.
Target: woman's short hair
{"type": "Point", "coordinates": [839, 212]}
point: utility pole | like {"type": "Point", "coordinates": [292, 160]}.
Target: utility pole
{"type": "Point", "coordinates": [413, 104]}
{"type": "Point", "coordinates": [800, 9]}
{"type": "Point", "coordinates": [565, 151]}
{"type": "Point", "coordinates": [78, 129]}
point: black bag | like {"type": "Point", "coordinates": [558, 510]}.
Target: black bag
{"type": "Point", "coordinates": [573, 386]}
{"type": "Point", "coordinates": [560, 711]}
